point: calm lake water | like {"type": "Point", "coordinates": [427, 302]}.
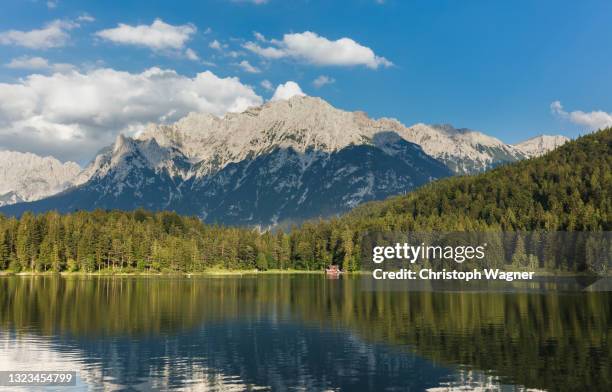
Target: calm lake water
{"type": "Point", "coordinates": [304, 332]}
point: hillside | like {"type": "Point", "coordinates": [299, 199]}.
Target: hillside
{"type": "Point", "coordinates": [566, 189]}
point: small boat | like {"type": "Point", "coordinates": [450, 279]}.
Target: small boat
{"type": "Point", "coordinates": [333, 270]}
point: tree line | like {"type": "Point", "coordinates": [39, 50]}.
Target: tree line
{"type": "Point", "coordinates": [157, 242]}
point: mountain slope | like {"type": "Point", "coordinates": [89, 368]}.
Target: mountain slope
{"type": "Point", "coordinates": [567, 189]}
{"type": "Point", "coordinates": [28, 177]}
{"type": "Point", "coordinates": [279, 186]}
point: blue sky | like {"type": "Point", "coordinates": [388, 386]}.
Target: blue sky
{"type": "Point", "coordinates": [511, 69]}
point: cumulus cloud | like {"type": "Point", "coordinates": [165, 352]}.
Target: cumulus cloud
{"type": "Point", "coordinates": [72, 115]}
{"type": "Point", "coordinates": [156, 36]}
{"type": "Point", "coordinates": [318, 50]}
{"type": "Point", "coordinates": [247, 67]}
{"type": "Point", "coordinates": [38, 63]}
{"type": "Point", "coordinates": [322, 81]}
{"type": "Point", "coordinates": [591, 120]}
{"type": "Point", "coordinates": [53, 35]}
{"type": "Point", "coordinates": [286, 91]}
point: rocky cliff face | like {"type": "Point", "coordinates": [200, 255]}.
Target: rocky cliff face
{"type": "Point", "coordinates": [29, 177]}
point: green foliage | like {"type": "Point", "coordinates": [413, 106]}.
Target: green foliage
{"type": "Point", "coordinates": [128, 241]}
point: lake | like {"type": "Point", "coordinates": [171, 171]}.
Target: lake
{"type": "Point", "coordinates": [305, 332]}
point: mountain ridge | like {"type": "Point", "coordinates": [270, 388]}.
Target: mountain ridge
{"type": "Point", "coordinates": [286, 160]}
{"type": "Point", "coordinates": [201, 136]}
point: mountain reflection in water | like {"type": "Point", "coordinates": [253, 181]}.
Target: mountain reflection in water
{"type": "Point", "coordinates": [304, 332]}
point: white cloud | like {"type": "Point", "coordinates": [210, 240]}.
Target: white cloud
{"type": "Point", "coordinates": [38, 63]}
{"type": "Point", "coordinates": [247, 67]}
{"type": "Point", "coordinates": [317, 50]}
{"type": "Point", "coordinates": [286, 91]}
{"type": "Point", "coordinates": [191, 54]}
{"type": "Point", "coordinates": [322, 81]}
{"type": "Point", "coordinates": [266, 84]}
{"type": "Point", "coordinates": [52, 4]}
{"type": "Point", "coordinates": [591, 120]}
{"type": "Point", "coordinates": [234, 54]}
{"type": "Point", "coordinates": [259, 36]}
{"type": "Point", "coordinates": [26, 62]}
{"type": "Point", "coordinates": [72, 115]}
{"type": "Point", "coordinates": [157, 36]}
{"type": "Point", "coordinates": [215, 45]}
{"type": "Point", "coordinates": [269, 52]}
{"type": "Point", "coordinates": [53, 35]}
{"type": "Point", "coordinates": [85, 18]}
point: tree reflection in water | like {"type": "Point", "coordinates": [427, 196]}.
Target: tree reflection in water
{"type": "Point", "coordinates": [284, 331]}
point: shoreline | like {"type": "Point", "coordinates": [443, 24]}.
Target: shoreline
{"type": "Point", "coordinates": [212, 272]}
{"type": "Point", "coordinates": [222, 272]}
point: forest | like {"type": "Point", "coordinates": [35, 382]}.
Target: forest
{"type": "Point", "coordinates": [567, 190]}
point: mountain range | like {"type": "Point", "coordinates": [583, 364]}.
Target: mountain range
{"type": "Point", "coordinates": [29, 177]}
{"type": "Point", "coordinates": [282, 162]}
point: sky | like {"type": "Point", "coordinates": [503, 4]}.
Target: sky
{"type": "Point", "coordinates": [74, 74]}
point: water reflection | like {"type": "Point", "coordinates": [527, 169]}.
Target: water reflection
{"type": "Point", "coordinates": [301, 331]}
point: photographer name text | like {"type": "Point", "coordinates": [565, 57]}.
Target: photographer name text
{"type": "Point", "coordinates": [429, 274]}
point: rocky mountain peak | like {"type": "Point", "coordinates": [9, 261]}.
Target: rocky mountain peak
{"type": "Point", "coordinates": [29, 177]}
{"type": "Point", "coordinates": [541, 144]}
